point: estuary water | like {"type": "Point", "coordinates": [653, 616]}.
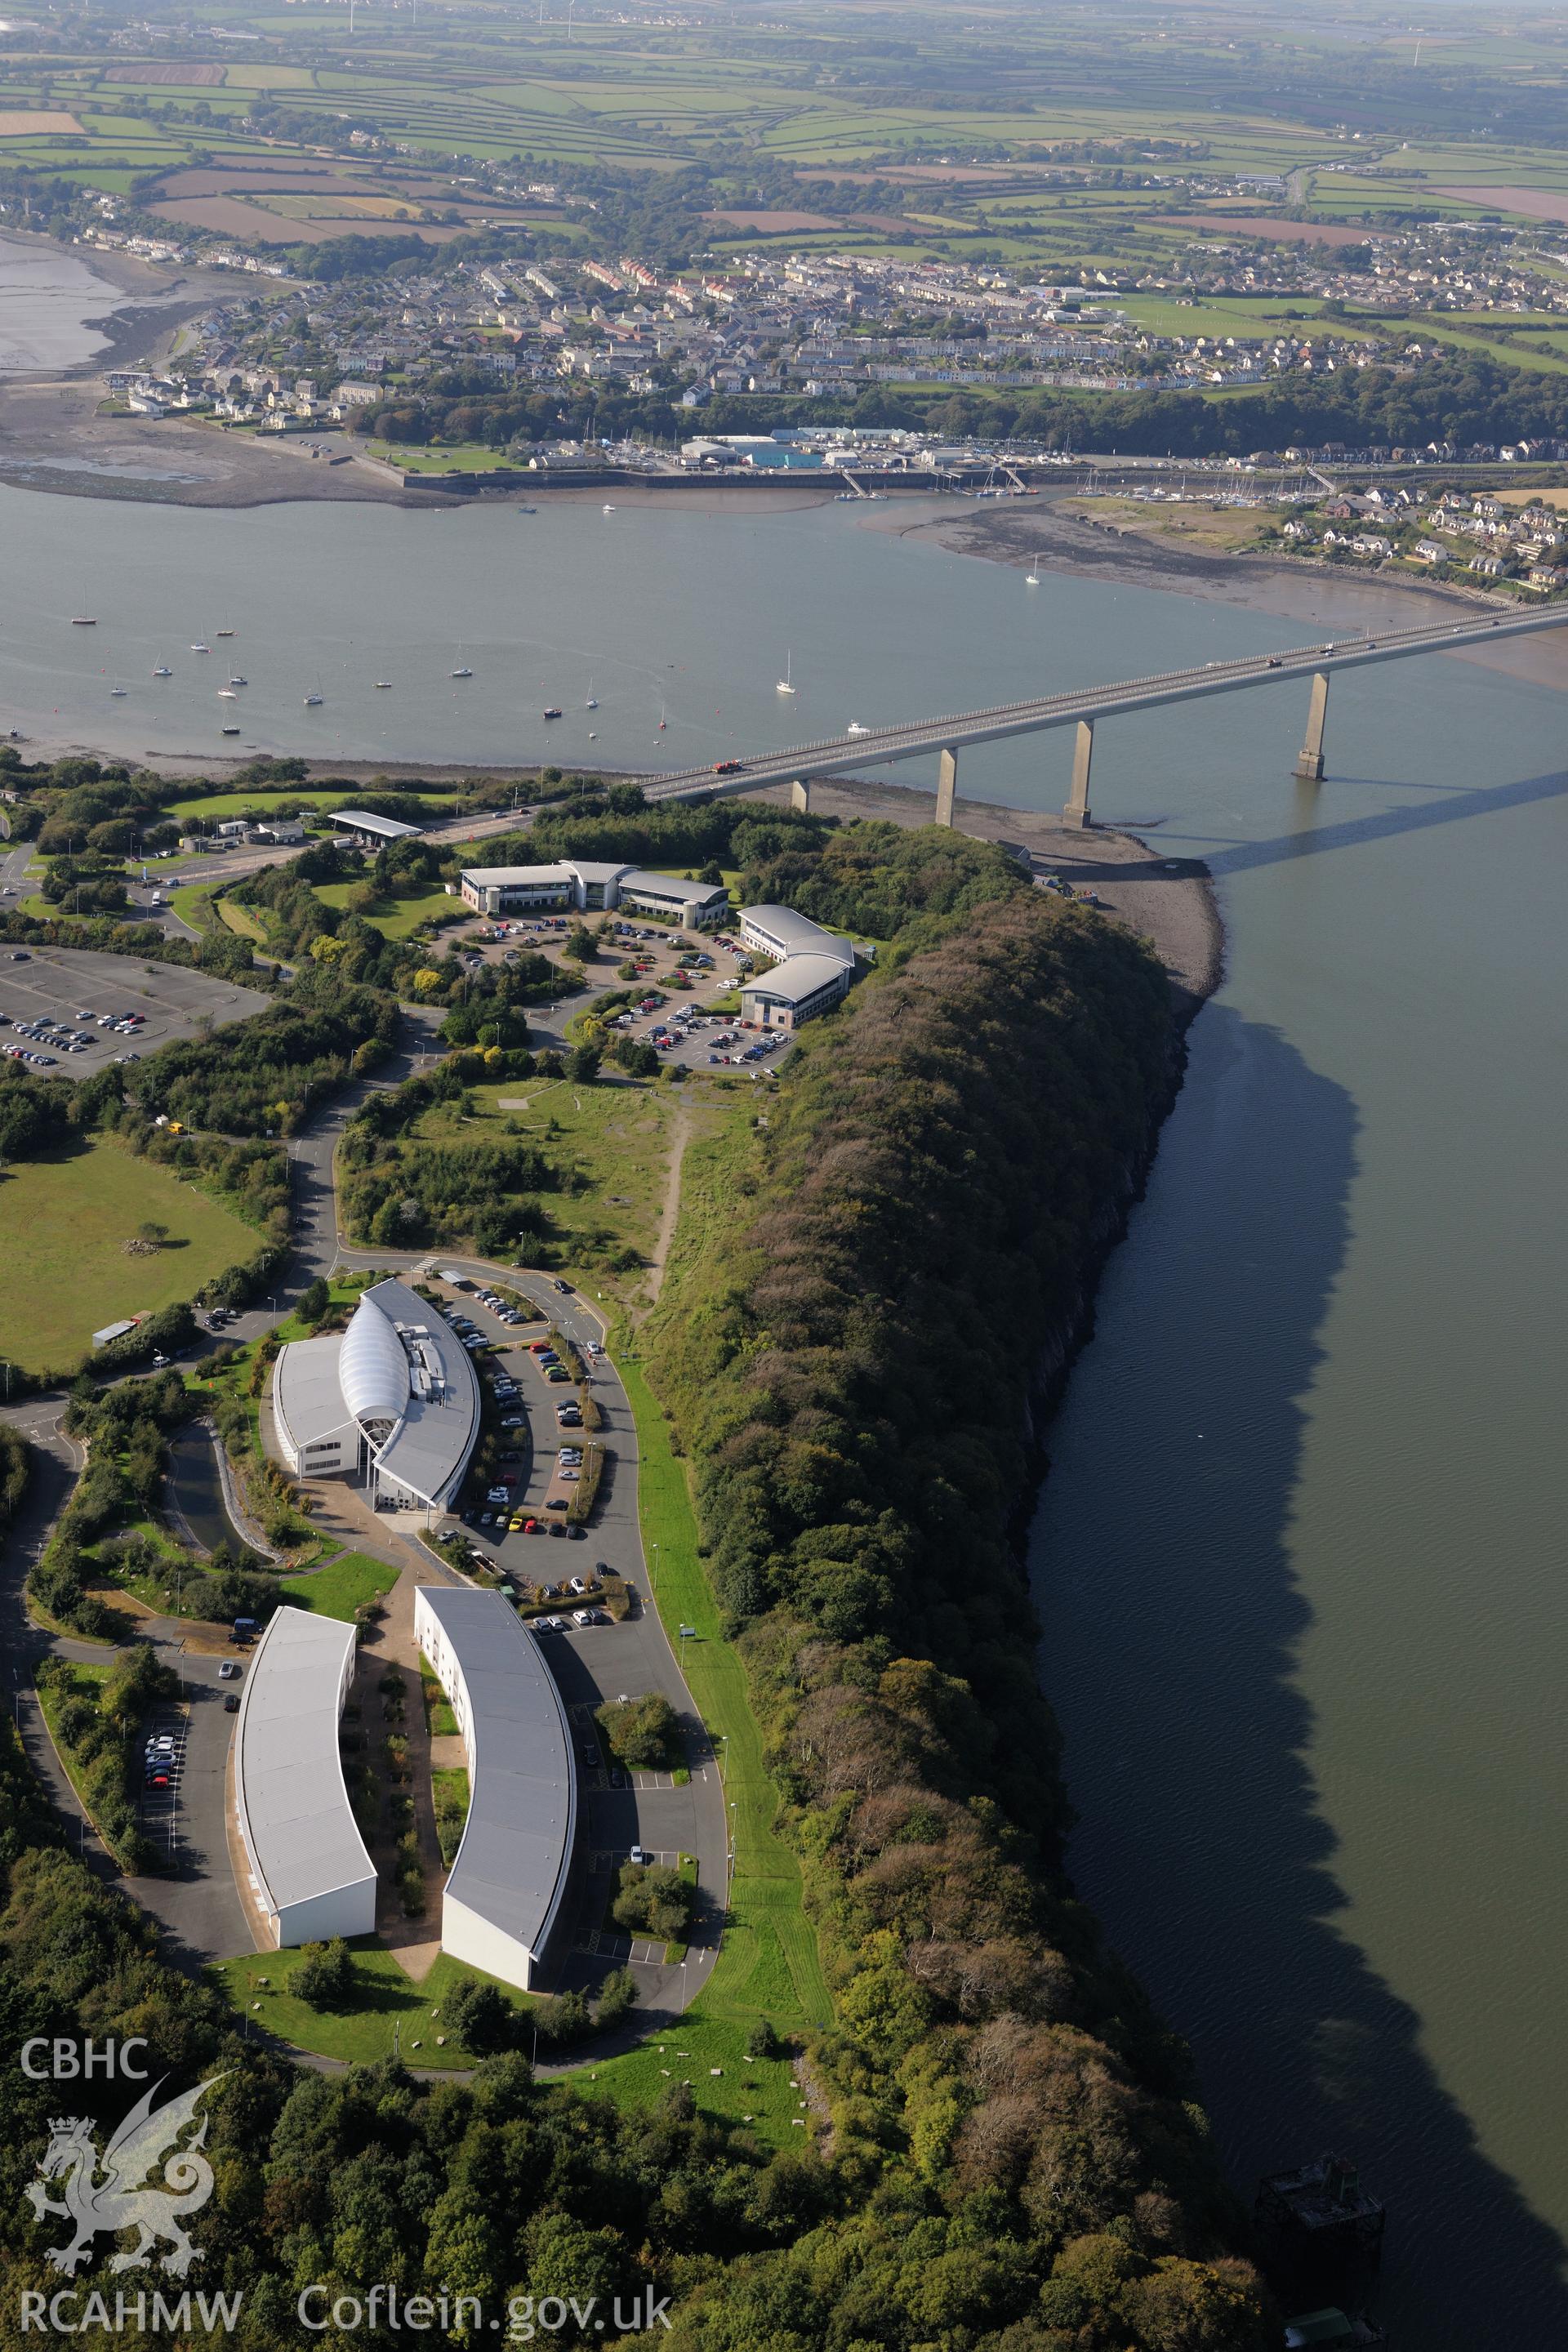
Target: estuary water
{"type": "Point", "coordinates": [1300, 1557]}
{"type": "Point", "coordinates": [47, 292]}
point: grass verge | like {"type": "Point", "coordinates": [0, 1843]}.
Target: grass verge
{"type": "Point", "coordinates": [768, 1965]}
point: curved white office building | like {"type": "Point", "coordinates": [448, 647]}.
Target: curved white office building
{"type": "Point", "coordinates": [507, 1905]}
{"type": "Point", "coordinates": [309, 1874]}
{"type": "Point", "coordinates": [812, 969]}
{"type": "Point", "coordinates": [393, 1401]}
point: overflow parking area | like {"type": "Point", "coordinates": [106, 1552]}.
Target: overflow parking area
{"type": "Point", "coordinates": [84, 1010]}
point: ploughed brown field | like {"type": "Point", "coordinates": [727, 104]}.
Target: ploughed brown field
{"type": "Point", "coordinates": [29, 123]}
{"type": "Point", "coordinates": [258, 174]}
{"type": "Point", "coordinates": [1277, 232]}
{"type": "Point", "coordinates": [1535, 203]}
{"type": "Point", "coordinates": [232, 217]}
{"type": "Point", "coordinates": [191, 77]}
{"type": "Point", "coordinates": [889, 223]}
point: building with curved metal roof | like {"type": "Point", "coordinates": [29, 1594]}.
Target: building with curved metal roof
{"type": "Point", "coordinates": [812, 969]}
{"type": "Point", "coordinates": [309, 1870]}
{"type": "Point", "coordinates": [393, 1401]}
{"type": "Point", "coordinates": [508, 1901]}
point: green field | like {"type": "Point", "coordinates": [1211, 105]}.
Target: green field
{"type": "Point", "coordinates": [391, 2010]}
{"type": "Point", "coordinates": [342, 1587]}
{"type": "Point", "coordinates": [66, 1221]}
{"type": "Point", "coordinates": [769, 1965]}
{"type": "Point", "coordinates": [395, 919]}
{"type": "Point", "coordinates": [614, 1133]}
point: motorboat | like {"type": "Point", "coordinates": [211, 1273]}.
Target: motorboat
{"type": "Point", "coordinates": [383, 685]}
{"type": "Point", "coordinates": [201, 649]}
{"type": "Point", "coordinates": [855, 728]}
{"type": "Point", "coordinates": [230, 730]}
{"type": "Point", "coordinates": [465, 672]}
{"type": "Point", "coordinates": [80, 621]}
{"type": "Point", "coordinates": [552, 712]}
{"type": "Point", "coordinates": [120, 689]}
{"type": "Point", "coordinates": [162, 670]}
{"type": "Point", "coordinates": [239, 681]}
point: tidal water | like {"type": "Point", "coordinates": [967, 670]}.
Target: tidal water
{"type": "Point", "coordinates": [1300, 1558]}
{"type": "Point", "coordinates": [46, 294]}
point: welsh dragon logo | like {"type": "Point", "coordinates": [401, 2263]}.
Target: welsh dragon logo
{"type": "Point", "coordinates": [106, 2194]}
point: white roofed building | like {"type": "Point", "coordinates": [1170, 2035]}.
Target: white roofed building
{"type": "Point", "coordinates": [590, 888]}
{"type": "Point", "coordinates": [812, 967]}
{"type": "Point", "coordinates": [374, 832]}
{"type": "Point", "coordinates": [508, 1901]}
{"type": "Point", "coordinates": [393, 1401]}
{"type": "Point", "coordinates": [309, 1874]}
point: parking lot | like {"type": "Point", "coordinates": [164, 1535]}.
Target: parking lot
{"type": "Point", "coordinates": [72, 1011]}
{"type": "Point", "coordinates": [680, 976]}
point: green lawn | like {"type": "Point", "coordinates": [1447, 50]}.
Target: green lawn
{"type": "Point", "coordinates": [66, 1220]}
{"type": "Point", "coordinates": [389, 2003]}
{"type": "Point", "coordinates": [749, 2091]}
{"type": "Point", "coordinates": [395, 918]}
{"type": "Point", "coordinates": [462, 458]}
{"type": "Point", "coordinates": [342, 1586]}
{"type": "Point", "coordinates": [769, 1965]}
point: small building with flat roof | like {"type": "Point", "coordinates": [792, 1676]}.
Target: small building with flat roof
{"type": "Point", "coordinates": [309, 1874]}
{"type": "Point", "coordinates": [393, 1401]}
{"type": "Point", "coordinates": [510, 1893]}
{"type": "Point", "coordinates": [373, 832]}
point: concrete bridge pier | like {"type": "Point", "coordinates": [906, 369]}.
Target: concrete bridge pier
{"type": "Point", "coordinates": [800, 796]}
{"type": "Point", "coordinates": [1076, 810]}
{"type": "Point", "coordinates": [946, 785]}
{"type": "Point", "coordinates": [1309, 766]}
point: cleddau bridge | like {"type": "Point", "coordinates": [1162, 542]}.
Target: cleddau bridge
{"type": "Point", "coordinates": [1085, 707]}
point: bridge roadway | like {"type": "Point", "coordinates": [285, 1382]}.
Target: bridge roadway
{"type": "Point", "coordinates": [838, 754]}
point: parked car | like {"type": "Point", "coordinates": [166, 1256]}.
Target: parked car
{"type": "Point", "coordinates": [231, 1704]}
{"type": "Point", "coordinates": [229, 1672]}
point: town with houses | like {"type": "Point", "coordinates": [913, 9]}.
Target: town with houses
{"type": "Point", "coordinates": [833, 326]}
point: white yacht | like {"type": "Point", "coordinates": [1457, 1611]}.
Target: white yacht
{"type": "Point", "coordinates": [784, 685]}
{"type": "Point", "coordinates": [855, 728]}
{"type": "Point", "coordinates": [162, 670]}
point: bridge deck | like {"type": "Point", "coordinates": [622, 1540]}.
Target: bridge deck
{"type": "Point", "coordinates": [839, 755]}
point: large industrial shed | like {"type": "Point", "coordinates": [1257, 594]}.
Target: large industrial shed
{"type": "Point", "coordinates": [508, 1904]}
{"type": "Point", "coordinates": [310, 1872]}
